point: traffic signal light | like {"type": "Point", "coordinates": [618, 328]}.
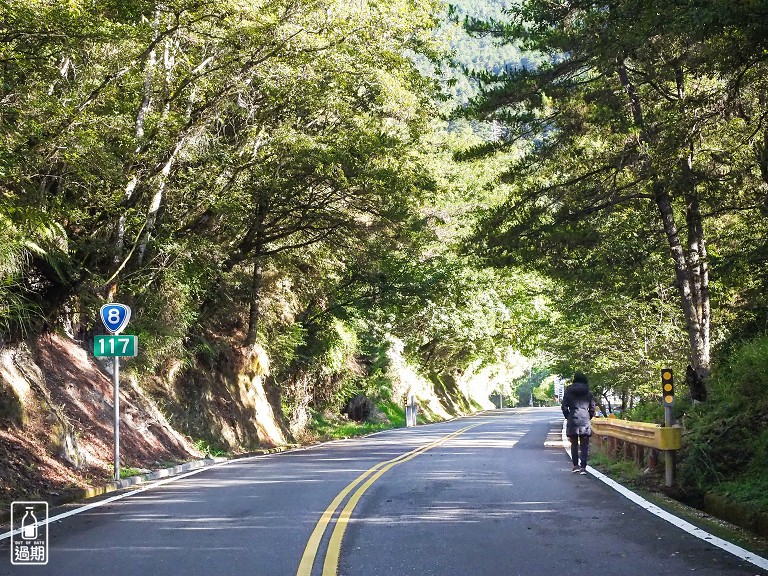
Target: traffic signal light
{"type": "Point", "coordinates": [667, 387]}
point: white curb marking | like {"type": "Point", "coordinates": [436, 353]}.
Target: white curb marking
{"type": "Point", "coordinates": [729, 547]}
{"type": "Point", "coordinates": [144, 488]}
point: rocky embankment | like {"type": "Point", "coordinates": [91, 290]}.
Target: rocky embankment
{"type": "Point", "coordinates": [56, 422]}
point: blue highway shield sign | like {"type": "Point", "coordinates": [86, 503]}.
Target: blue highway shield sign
{"type": "Point", "coordinates": [115, 317]}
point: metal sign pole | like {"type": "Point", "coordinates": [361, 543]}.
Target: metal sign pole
{"type": "Point", "coordinates": [115, 317]}
{"type": "Point", "coordinates": [116, 402]}
{"type": "Point", "coordinates": [668, 399]}
{"type": "Point", "coordinates": [669, 455]}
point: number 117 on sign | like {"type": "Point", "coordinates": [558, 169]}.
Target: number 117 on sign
{"type": "Point", "coordinates": [123, 345]}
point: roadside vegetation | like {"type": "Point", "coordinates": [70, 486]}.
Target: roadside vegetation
{"type": "Point", "coordinates": [316, 206]}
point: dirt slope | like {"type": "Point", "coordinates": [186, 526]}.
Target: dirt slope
{"type": "Point", "coordinates": [56, 423]}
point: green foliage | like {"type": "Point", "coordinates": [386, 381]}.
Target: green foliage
{"type": "Point", "coordinates": [726, 439]}
{"type": "Point", "coordinates": [268, 173]}
{"type": "Point", "coordinates": [646, 412]}
{"type": "Point", "coordinates": [652, 410]}
{"type": "Point", "coordinates": [338, 428]}
{"type": "Point", "coordinates": [395, 412]}
{"type": "Point", "coordinates": [545, 392]}
{"type": "Point", "coordinates": [347, 430]}
{"type": "Point", "coordinates": [210, 450]}
{"type": "Point", "coordinates": [532, 379]}
{"type": "Point", "coordinates": [620, 469]}
{"type": "Point", "coordinates": [750, 489]}
{"type": "Point", "coordinates": [127, 472]}
{"type": "Point", "coordinates": [473, 55]}
{"type": "Point", "coordinates": [615, 174]}
{"type": "Point", "coordinates": [276, 172]}
{"type": "Point", "coordinates": [283, 344]}
{"type": "Point", "coordinates": [744, 379]}
{"type": "Point", "coordinates": [12, 412]}
{"type": "Point", "coordinates": [20, 308]}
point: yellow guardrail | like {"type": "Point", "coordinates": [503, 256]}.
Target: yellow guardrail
{"type": "Point", "coordinates": [643, 433]}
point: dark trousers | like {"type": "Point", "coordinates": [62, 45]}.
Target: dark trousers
{"type": "Point", "coordinates": [579, 448]}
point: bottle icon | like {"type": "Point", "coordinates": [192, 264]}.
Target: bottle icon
{"type": "Point", "coordinates": [29, 524]}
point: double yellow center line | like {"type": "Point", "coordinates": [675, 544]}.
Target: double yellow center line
{"type": "Point", "coordinates": [367, 478]}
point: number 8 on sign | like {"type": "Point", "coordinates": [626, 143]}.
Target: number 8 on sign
{"type": "Point", "coordinates": [115, 317]}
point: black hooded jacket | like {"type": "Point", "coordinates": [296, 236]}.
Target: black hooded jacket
{"type": "Point", "coordinates": [578, 408]}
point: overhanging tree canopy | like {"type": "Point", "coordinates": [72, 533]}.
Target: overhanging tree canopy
{"type": "Point", "coordinates": [639, 137]}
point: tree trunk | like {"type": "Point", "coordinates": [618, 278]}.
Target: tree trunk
{"type": "Point", "coordinates": [607, 401]}
{"type": "Point", "coordinates": [692, 283]}
{"type": "Point", "coordinates": [254, 314]}
{"type": "Point", "coordinates": [169, 61]}
{"type": "Point", "coordinates": [255, 309]}
{"type": "Point", "coordinates": [144, 108]}
{"type": "Point", "coordinates": [690, 266]}
{"type": "Point", "coordinates": [696, 260]}
{"type": "Point", "coordinates": [157, 201]}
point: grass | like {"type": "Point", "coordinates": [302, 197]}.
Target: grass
{"type": "Point", "coordinates": [357, 429]}
{"type": "Point", "coordinates": [709, 523]}
{"type": "Point", "coordinates": [207, 449]}
{"type": "Point", "coordinates": [394, 412]}
{"type": "Point", "coordinates": [345, 429]}
{"type": "Point", "coordinates": [338, 429]}
{"type": "Point", "coordinates": [127, 472]}
{"type": "Point", "coordinates": [750, 489]}
{"type": "Point", "coordinates": [621, 470]}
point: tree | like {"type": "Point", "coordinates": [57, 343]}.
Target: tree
{"type": "Point", "coordinates": [626, 126]}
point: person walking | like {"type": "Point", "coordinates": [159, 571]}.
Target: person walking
{"type": "Point", "coordinates": [578, 409]}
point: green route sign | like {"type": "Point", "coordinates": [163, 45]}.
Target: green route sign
{"type": "Point", "coordinates": [115, 345]}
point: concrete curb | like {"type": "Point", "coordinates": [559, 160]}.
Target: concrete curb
{"type": "Point", "coordinates": [172, 471]}
{"type": "Point", "coordinates": [78, 494]}
{"type": "Point", "coordinates": [148, 477]}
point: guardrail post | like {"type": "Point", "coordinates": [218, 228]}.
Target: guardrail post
{"type": "Point", "coordinates": [653, 459]}
{"type": "Point", "coordinates": [633, 439]}
{"type": "Point", "coordinates": [668, 400]}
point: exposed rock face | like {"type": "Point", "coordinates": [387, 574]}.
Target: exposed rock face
{"type": "Point", "coordinates": [229, 403]}
{"type": "Point", "coordinates": [56, 421]}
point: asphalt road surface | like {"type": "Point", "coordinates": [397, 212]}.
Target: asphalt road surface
{"type": "Point", "coordinates": [483, 495]}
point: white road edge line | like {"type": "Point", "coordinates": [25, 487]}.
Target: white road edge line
{"type": "Point", "coordinates": [729, 547]}
{"type": "Point", "coordinates": [150, 485]}
{"type": "Point", "coordinates": [130, 492]}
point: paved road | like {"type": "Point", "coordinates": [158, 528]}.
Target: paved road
{"type": "Point", "coordinates": [476, 496]}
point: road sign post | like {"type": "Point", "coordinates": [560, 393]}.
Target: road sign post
{"type": "Point", "coordinates": [116, 404]}
{"type": "Point", "coordinates": [115, 318]}
{"type": "Point", "coordinates": [668, 399]}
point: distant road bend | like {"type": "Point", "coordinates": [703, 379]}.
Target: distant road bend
{"type": "Point", "coordinates": [490, 494]}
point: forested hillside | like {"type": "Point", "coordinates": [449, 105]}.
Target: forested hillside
{"type": "Point", "coordinates": [267, 185]}
{"type": "Point", "coordinates": [475, 54]}
{"type": "Point", "coordinates": [277, 191]}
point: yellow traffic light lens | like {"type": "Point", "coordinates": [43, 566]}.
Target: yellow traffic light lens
{"type": "Point", "coordinates": [667, 375]}
{"type": "Point", "coordinates": [667, 387]}
{"type": "Point", "coordinates": [668, 399]}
